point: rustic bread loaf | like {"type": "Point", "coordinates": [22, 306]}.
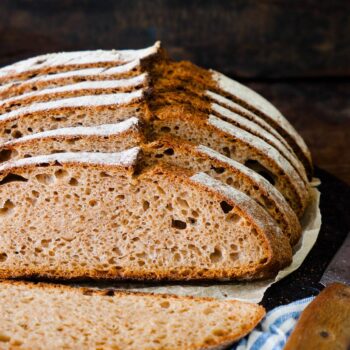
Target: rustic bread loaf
{"type": "Point", "coordinates": [102, 215]}
{"type": "Point", "coordinates": [186, 120]}
{"type": "Point", "coordinates": [90, 319]}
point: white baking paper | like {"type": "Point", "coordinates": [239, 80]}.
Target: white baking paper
{"type": "Point", "coordinates": [246, 291]}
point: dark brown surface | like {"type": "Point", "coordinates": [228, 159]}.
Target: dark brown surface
{"type": "Point", "coordinates": [325, 323]}
{"type": "Point", "coordinates": [296, 53]}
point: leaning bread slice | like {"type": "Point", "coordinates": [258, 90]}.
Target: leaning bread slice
{"type": "Point", "coordinates": [212, 81]}
{"type": "Point", "coordinates": [99, 215]}
{"type": "Point", "coordinates": [254, 126]}
{"type": "Point", "coordinates": [74, 111]}
{"type": "Point", "coordinates": [127, 134]}
{"type": "Point", "coordinates": [74, 90]}
{"type": "Point", "coordinates": [235, 143]}
{"type": "Point", "coordinates": [69, 61]}
{"type": "Point", "coordinates": [200, 158]}
{"type": "Point", "coordinates": [99, 138]}
{"type": "Point", "coordinates": [44, 316]}
{"type": "Point", "coordinates": [41, 82]}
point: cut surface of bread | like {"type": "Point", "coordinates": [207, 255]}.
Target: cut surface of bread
{"type": "Point", "coordinates": [127, 134]}
{"type": "Point", "coordinates": [43, 316]}
{"type": "Point", "coordinates": [99, 215]}
{"type": "Point", "coordinates": [100, 138]}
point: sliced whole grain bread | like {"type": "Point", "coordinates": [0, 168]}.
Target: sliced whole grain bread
{"type": "Point", "coordinates": [207, 81]}
{"type": "Point", "coordinates": [101, 138]}
{"type": "Point", "coordinates": [82, 318]}
{"type": "Point", "coordinates": [104, 215]}
{"type": "Point", "coordinates": [127, 134]}
{"type": "Point", "coordinates": [124, 71]}
{"type": "Point", "coordinates": [69, 61]}
{"type": "Point", "coordinates": [186, 123]}
{"type": "Point", "coordinates": [111, 108]}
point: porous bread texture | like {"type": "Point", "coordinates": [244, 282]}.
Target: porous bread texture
{"type": "Point", "coordinates": [255, 126]}
{"type": "Point", "coordinates": [89, 319]}
{"type": "Point", "coordinates": [101, 138]}
{"type": "Point", "coordinates": [186, 123]}
{"type": "Point", "coordinates": [74, 90]}
{"type": "Point", "coordinates": [203, 159]}
{"type": "Point", "coordinates": [41, 82]}
{"type": "Point", "coordinates": [121, 136]}
{"type": "Point", "coordinates": [69, 218]}
{"type": "Point", "coordinates": [198, 78]}
{"type": "Point", "coordinates": [70, 112]}
{"type": "Point", "coordinates": [68, 61]}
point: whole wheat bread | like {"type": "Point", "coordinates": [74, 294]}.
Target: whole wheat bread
{"type": "Point", "coordinates": [90, 319]}
{"type": "Point", "coordinates": [99, 215]}
{"type": "Point", "coordinates": [124, 135]}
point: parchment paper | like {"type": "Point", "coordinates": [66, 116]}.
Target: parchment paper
{"type": "Point", "coordinates": [249, 291]}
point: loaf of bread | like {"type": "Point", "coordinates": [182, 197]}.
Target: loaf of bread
{"type": "Point", "coordinates": [90, 319]}
{"type": "Point", "coordinates": [184, 172]}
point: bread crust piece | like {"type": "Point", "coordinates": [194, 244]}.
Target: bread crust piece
{"type": "Point", "coordinates": [255, 312]}
{"type": "Point", "coordinates": [212, 132]}
{"type": "Point", "coordinates": [271, 244]}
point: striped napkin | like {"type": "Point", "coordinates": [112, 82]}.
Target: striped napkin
{"type": "Point", "coordinates": [274, 330]}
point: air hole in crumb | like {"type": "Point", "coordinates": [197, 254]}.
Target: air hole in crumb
{"type": "Point", "coordinates": [3, 257]}
{"type": "Point", "coordinates": [5, 155]}
{"type": "Point", "coordinates": [181, 225]}
{"type": "Point", "coordinates": [17, 134]}
{"type": "Point", "coordinates": [169, 152]}
{"type": "Point", "coordinates": [12, 178]}
{"type": "Point", "coordinates": [45, 179]}
{"type": "Point", "coordinates": [232, 217]}
{"type": "Point", "coordinates": [218, 170]}
{"type": "Point", "coordinates": [226, 208]}
{"type": "Point", "coordinates": [234, 256]}
{"type": "Point", "coordinates": [260, 169]}
{"type": "Point", "coordinates": [145, 205]}
{"type": "Point", "coordinates": [104, 174]}
{"type": "Point", "coordinates": [165, 304]}
{"type": "Point", "coordinates": [226, 151]}
{"type": "Point", "coordinates": [165, 129]}
{"type": "Point", "coordinates": [92, 202]}
{"type": "Point", "coordinates": [6, 209]}
{"type": "Point", "coordinates": [216, 256]}
{"type": "Point", "coordinates": [4, 338]}
{"type": "Point", "coordinates": [110, 293]}
{"type": "Point", "coordinates": [61, 173]}
{"type": "Point", "coordinates": [73, 181]}
{"type": "Point", "coordinates": [182, 202]}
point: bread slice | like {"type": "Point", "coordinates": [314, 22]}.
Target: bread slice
{"type": "Point", "coordinates": [80, 318]}
{"type": "Point", "coordinates": [127, 134]}
{"type": "Point", "coordinates": [254, 126]}
{"type": "Point", "coordinates": [74, 90]}
{"type": "Point", "coordinates": [98, 215]}
{"type": "Point", "coordinates": [16, 88]}
{"type": "Point", "coordinates": [237, 144]}
{"type": "Point", "coordinates": [101, 138]}
{"type": "Point", "coordinates": [204, 81]}
{"type": "Point", "coordinates": [110, 108]}
{"type": "Point", "coordinates": [199, 158]}
{"type": "Point", "coordinates": [69, 61]}
{"type": "Point", "coordinates": [85, 110]}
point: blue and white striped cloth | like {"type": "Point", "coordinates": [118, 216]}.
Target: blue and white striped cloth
{"type": "Point", "coordinates": [274, 330]}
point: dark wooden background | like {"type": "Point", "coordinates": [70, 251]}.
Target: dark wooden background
{"type": "Point", "coordinates": [296, 53]}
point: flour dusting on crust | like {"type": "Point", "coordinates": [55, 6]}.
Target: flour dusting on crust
{"type": "Point", "coordinates": [81, 101]}
{"type": "Point", "coordinates": [124, 158]}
